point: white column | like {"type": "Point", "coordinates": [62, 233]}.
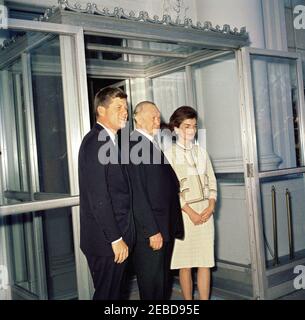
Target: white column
{"type": "Point", "coordinates": [258, 17]}
{"type": "Point", "coordinates": [263, 102]}
{"type": "Point", "coordinates": [275, 24]}
{"type": "Point", "coordinates": [280, 91]}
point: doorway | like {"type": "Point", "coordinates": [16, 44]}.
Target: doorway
{"type": "Point", "coordinates": [200, 82]}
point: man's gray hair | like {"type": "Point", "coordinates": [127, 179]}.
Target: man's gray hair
{"type": "Point", "coordinates": [140, 106]}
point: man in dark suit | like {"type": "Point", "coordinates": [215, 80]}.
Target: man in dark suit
{"type": "Point", "coordinates": [156, 205]}
{"type": "Point", "coordinates": [106, 222]}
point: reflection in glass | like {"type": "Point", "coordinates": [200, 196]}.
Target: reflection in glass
{"type": "Point", "coordinates": [22, 253]}
{"type": "Point", "coordinates": [150, 53]}
{"type": "Point", "coordinates": [169, 93]}
{"type": "Point", "coordinates": [59, 258]}
{"type": "Point", "coordinates": [217, 94]}
{"type": "Point", "coordinates": [288, 190]}
{"type": "Point", "coordinates": [49, 115]}
{"type": "Point", "coordinates": [40, 245]}
{"type": "Point", "coordinates": [276, 112]}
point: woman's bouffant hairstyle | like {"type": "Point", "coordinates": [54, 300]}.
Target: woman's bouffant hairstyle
{"type": "Point", "coordinates": [181, 114]}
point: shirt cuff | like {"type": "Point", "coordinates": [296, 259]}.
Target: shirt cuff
{"type": "Point", "coordinates": [213, 195]}
{"type": "Point", "coordinates": [113, 242]}
{"type": "Point", "coordinates": [182, 202]}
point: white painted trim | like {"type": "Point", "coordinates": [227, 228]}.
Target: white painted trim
{"type": "Point", "coordinates": [271, 53]}
{"type": "Point", "coordinates": [38, 26]}
{"type": "Point", "coordinates": [279, 173]}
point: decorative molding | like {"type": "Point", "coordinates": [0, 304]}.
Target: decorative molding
{"type": "Point", "coordinates": [177, 7]}
{"type": "Point", "coordinates": [143, 16]}
{"type": "Point", "coordinates": [48, 13]}
{"type": "Point", "coordinates": [8, 42]}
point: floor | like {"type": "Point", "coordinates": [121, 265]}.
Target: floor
{"type": "Point", "coordinates": [133, 293]}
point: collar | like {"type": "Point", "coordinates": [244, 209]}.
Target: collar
{"type": "Point", "coordinates": [184, 147]}
{"type": "Point", "coordinates": [145, 134]}
{"type": "Point", "coordinates": [110, 133]}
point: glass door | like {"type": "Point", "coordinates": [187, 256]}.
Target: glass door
{"type": "Point", "coordinates": [273, 119]}
{"type": "Point", "coordinates": [216, 87]}
{"type": "Point", "coordinates": [42, 89]}
{"type": "Point", "coordinates": [203, 84]}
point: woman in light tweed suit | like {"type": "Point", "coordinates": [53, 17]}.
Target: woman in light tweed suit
{"type": "Point", "coordinates": [198, 196]}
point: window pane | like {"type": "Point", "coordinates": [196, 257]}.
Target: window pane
{"type": "Point", "coordinates": [217, 94]}
{"type": "Point", "coordinates": [35, 151]}
{"type": "Point", "coordinates": [169, 93]}
{"type": "Point", "coordinates": [24, 249]}
{"type": "Point", "coordinates": [276, 112]}
{"type": "Point", "coordinates": [49, 118]}
{"type": "Point", "coordinates": [283, 191]}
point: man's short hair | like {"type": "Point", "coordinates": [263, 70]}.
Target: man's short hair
{"type": "Point", "coordinates": [104, 97]}
{"type": "Point", "coordinates": [140, 106]}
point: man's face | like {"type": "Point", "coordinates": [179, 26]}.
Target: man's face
{"type": "Point", "coordinates": [115, 116]}
{"type": "Point", "coordinates": [149, 119]}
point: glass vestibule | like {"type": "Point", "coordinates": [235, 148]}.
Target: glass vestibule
{"type": "Point", "coordinates": [37, 177]}
{"type": "Point", "coordinates": [274, 126]}
{"type": "Point", "coordinates": [200, 78]}
{"type": "Point", "coordinates": [246, 248]}
{"type": "Point", "coordinates": [209, 81]}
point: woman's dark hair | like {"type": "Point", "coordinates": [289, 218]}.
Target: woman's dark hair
{"type": "Point", "coordinates": [181, 114]}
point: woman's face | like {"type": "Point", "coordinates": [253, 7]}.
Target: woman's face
{"type": "Point", "coordinates": [187, 130]}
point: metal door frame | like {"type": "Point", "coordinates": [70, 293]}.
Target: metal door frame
{"type": "Point", "coordinates": [251, 166]}
{"type": "Point", "coordinates": [77, 125]}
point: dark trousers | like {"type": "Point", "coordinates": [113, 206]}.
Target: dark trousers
{"type": "Point", "coordinates": [152, 269]}
{"type": "Point", "coordinates": [107, 277]}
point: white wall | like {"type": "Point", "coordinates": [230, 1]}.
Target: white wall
{"type": "Point", "coordinates": [158, 7]}
{"type": "Point", "coordinates": [236, 13]}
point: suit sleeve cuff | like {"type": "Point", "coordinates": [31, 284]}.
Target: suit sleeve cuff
{"type": "Point", "coordinates": [113, 242]}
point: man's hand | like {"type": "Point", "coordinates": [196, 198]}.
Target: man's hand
{"type": "Point", "coordinates": [156, 241]}
{"type": "Point", "coordinates": [120, 250]}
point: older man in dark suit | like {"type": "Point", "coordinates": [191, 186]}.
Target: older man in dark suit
{"type": "Point", "coordinates": [106, 220]}
{"type": "Point", "coordinates": [156, 205]}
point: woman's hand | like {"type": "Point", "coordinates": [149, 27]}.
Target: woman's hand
{"type": "Point", "coordinates": [195, 218]}
{"type": "Point", "coordinates": [206, 214]}
{"type": "Point", "coordinates": [193, 215]}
